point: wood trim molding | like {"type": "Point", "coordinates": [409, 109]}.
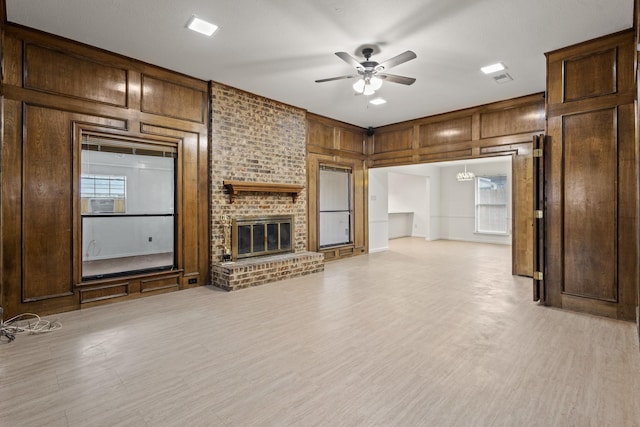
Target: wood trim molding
{"type": "Point", "coordinates": [235, 187]}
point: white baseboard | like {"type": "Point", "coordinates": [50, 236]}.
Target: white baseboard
{"type": "Point", "coordinates": [382, 249]}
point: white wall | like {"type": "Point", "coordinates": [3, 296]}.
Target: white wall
{"type": "Point", "coordinates": [378, 210]}
{"type": "Point", "coordinates": [408, 194]}
{"type": "Point", "coordinates": [413, 188]}
{"type": "Point", "coordinates": [457, 202]}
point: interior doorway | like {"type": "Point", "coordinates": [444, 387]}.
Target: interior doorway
{"type": "Point", "coordinates": [431, 201]}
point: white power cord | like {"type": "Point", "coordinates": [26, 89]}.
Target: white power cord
{"type": "Point", "coordinates": [27, 323]}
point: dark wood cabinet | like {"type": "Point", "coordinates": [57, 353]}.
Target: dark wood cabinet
{"type": "Point", "coordinates": [591, 185]}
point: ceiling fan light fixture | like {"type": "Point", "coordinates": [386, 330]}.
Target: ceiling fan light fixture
{"type": "Point", "coordinates": [375, 82]}
{"type": "Point", "coordinates": [367, 81]}
{"type": "Point", "coordinates": [368, 90]}
{"type": "Point", "coordinates": [359, 86]}
{"type": "Point", "coordinates": [201, 26]}
{"type": "Point", "coordinates": [367, 85]}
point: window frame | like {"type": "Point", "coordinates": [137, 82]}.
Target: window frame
{"type": "Point", "coordinates": [91, 141]}
{"type": "Point", "coordinates": [350, 203]}
{"type": "Point", "coordinates": [477, 205]}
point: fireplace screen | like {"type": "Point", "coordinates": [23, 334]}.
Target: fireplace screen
{"type": "Point", "coordinates": [252, 237]}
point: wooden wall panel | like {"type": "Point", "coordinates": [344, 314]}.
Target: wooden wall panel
{"type": "Point", "coordinates": [512, 121]}
{"type": "Point", "coordinates": [3, 18]}
{"type": "Point", "coordinates": [590, 75]}
{"type": "Point", "coordinates": [47, 203]}
{"type": "Point", "coordinates": [447, 155]}
{"type": "Point", "coordinates": [158, 284]}
{"type": "Point", "coordinates": [446, 132]}
{"type": "Point", "coordinates": [192, 189]}
{"type": "Point", "coordinates": [61, 73]}
{"type": "Point", "coordinates": [473, 132]}
{"type": "Point", "coordinates": [11, 206]}
{"type": "Point", "coordinates": [589, 180]}
{"type": "Point", "coordinates": [320, 134]}
{"type": "Point", "coordinates": [12, 69]}
{"type": "Point", "coordinates": [627, 211]}
{"type": "Point", "coordinates": [67, 90]}
{"type": "Point", "coordinates": [351, 141]}
{"type": "Point", "coordinates": [636, 25]}
{"type": "Point", "coordinates": [597, 83]}
{"type": "Point", "coordinates": [393, 141]}
{"type": "Point", "coordinates": [108, 292]}
{"type": "Point", "coordinates": [173, 100]}
{"type": "Point", "coordinates": [330, 142]}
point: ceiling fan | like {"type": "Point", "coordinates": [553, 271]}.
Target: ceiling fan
{"type": "Point", "coordinates": [372, 73]}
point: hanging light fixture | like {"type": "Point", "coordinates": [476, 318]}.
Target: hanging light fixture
{"type": "Point", "coordinates": [465, 176]}
{"type": "Point", "coordinates": [367, 85]}
{"type": "Point", "coordinates": [376, 83]}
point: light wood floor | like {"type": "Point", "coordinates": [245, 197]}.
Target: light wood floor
{"type": "Point", "coordinates": [425, 334]}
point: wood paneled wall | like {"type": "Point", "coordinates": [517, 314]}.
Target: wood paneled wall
{"type": "Point", "coordinates": [501, 128]}
{"type": "Point", "coordinates": [3, 20]}
{"type": "Point", "coordinates": [335, 143]}
{"type": "Point", "coordinates": [494, 129]}
{"type": "Point", "coordinates": [591, 213]}
{"type": "Point", "coordinates": [54, 90]}
{"type": "Point", "coordinates": [636, 26]}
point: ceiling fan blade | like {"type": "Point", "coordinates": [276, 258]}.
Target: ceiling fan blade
{"type": "Point", "coordinates": [396, 60]}
{"type": "Point", "coordinates": [349, 60]}
{"type": "Point", "coordinates": [335, 78]}
{"type": "Point", "coordinates": [396, 79]}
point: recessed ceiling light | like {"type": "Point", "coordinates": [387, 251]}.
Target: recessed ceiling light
{"type": "Point", "coordinates": [201, 26]}
{"type": "Point", "coordinates": [499, 66]}
{"type": "Point", "coordinates": [378, 101]}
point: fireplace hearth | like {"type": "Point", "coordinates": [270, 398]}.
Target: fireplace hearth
{"type": "Point", "coordinates": [260, 236]}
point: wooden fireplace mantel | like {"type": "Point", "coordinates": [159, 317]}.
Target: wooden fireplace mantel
{"type": "Point", "coordinates": [235, 187]}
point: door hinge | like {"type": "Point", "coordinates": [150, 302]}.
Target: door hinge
{"type": "Point", "coordinates": [537, 275]}
{"type": "Point", "coordinates": [537, 152]}
{"type": "Point", "coordinates": [538, 214]}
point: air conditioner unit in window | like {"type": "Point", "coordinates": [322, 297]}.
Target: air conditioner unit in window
{"type": "Point", "coordinates": [102, 205]}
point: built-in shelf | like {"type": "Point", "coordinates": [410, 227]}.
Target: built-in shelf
{"type": "Point", "coordinates": [235, 187]}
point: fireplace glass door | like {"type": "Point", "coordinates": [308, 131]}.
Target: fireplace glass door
{"type": "Point", "coordinates": [127, 198]}
{"type": "Point", "coordinates": [258, 236]}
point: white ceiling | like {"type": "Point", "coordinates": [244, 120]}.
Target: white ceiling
{"type": "Point", "coordinates": [277, 48]}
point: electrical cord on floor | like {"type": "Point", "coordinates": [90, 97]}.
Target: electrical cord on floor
{"type": "Point", "coordinates": [26, 323]}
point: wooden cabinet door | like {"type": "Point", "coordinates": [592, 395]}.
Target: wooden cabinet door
{"type": "Point", "coordinates": [591, 187]}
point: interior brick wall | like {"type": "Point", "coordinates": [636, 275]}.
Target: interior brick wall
{"type": "Point", "coordinates": [261, 140]}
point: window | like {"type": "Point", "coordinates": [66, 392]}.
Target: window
{"type": "Point", "coordinates": [138, 237]}
{"type": "Point", "coordinates": [335, 206]}
{"type": "Point", "coordinates": [491, 204]}
{"type": "Point", "coordinates": [103, 193]}
{"type": "Point", "coordinates": [102, 186]}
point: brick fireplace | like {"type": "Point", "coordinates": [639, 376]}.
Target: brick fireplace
{"type": "Point", "coordinates": [262, 142]}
